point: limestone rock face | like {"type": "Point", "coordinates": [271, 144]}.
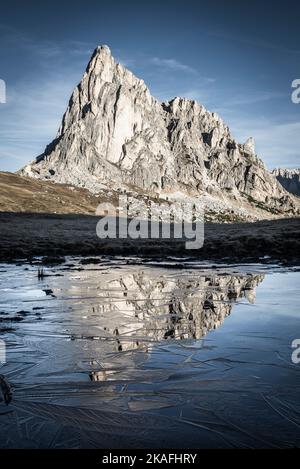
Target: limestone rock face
{"type": "Point", "coordinates": [115, 135]}
{"type": "Point", "coordinates": [289, 179]}
{"type": "Point", "coordinates": [249, 146]}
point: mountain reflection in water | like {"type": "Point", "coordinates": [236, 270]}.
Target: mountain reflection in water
{"type": "Point", "coordinates": [138, 309]}
{"type": "Point", "coordinates": [112, 355]}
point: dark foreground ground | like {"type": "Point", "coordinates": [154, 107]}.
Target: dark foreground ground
{"type": "Point", "coordinates": [26, 235]}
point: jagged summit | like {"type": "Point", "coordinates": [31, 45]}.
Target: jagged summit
{"type": "Point", "coordinates": [115, 134]}
{"type": "Point", "coordinates": [249, 146]}
{"type": "Point", "coordinates": [289, 179]}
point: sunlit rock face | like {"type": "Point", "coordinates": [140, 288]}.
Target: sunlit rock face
{"type": "Point", "coordinates": [115, 134]}
{"type": "Point", "coordinates": [136, 310]}
{"type": "Point", "coordinates": [289, 179]}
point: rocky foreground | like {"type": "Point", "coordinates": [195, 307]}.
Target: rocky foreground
{"type": "Point", "coordinates": [25, 235]}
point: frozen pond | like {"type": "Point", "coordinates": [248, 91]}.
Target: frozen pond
{"type": "Point", "coordinates": [118, 355]}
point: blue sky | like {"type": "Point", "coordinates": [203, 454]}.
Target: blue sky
{"type": "Point", "coordinates": [236, 58]}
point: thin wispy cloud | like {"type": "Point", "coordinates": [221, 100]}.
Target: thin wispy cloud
{"type": "Point", "coordinates": [177, 66]}
{"type": "Point", "coordinates": [172, 64]}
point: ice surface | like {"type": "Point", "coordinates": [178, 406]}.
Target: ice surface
{"type": "Point", "coordinates": [114, 354]}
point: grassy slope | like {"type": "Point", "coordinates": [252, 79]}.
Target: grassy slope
{"type": "Point", "coordinates": [22, 194]}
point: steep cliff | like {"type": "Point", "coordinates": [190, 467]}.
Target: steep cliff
{"type": "Point", "coordinates": [115, 134]}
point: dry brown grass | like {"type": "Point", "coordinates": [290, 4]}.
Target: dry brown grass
{"type": "Point", "coordinates": [27, 195]}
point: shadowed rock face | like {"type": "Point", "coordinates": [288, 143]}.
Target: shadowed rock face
{"type": "Point", "coordinates": [115, 134]}
{"type": "Point", "coordinates": [289, 179]}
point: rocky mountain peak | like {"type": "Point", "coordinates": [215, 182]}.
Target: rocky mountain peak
{"type": "Point", "coordinates": [289, 179]}
{"type": "Point", "coordinates": [249, 146]}
{"type": "Point", "coordinates": [103, 65]}
{"type": "Point", "coordinates": [115, 134]}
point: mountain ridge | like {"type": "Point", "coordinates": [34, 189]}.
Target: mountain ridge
{"type": "Point", "coordinates": [289, 179]}
{"type": "Point", "coordinates": [115, 134]}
